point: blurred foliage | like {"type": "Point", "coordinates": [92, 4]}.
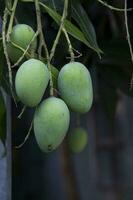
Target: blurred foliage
{"type": "Point", "coordinates": [93, 29]}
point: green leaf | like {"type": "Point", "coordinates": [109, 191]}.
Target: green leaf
{"type": "Point", "coordinates": [82, 19]}
{"type": "Point", "coordinates": [2, 119]}
{"type": "Point", "coordinates": [71, 28]}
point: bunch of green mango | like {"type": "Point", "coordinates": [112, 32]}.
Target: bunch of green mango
{"type": "Point", "coordinates": [52, 115]}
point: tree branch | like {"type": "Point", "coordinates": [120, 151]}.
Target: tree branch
{"type": "Point", "coordinates": [42, 42]}
{"type": "Point", "coordinates": [129, 40]}
{"type": "Point", "coordinates": [112, 7]}
{"type": "Point", "coordinates": [60, 29]}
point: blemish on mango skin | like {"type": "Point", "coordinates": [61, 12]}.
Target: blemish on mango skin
{"type": "Point", "coordinates": [50, 147]}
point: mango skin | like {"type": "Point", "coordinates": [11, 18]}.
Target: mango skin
{"type": "Point", "coordinates": [51, 122]}
{"type": "Point", "coordinates": [75, 87]}
{"type": "Point", "coordinates": [21, 35]}
{"type": "Point", "coordinates": [31, 81]}
{"type": "Point", "coordinates": [78, 140]}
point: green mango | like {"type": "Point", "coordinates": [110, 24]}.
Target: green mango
{"type": "Point", "coordinates": [77, 140]}
{"type": "Point", "coordinates": [21, 35]}
{"type": "Point", "coordinates": [51, 122]}
{"type": "Point", "coordinates": [31, 81]}
{"type": "Point", "coordinates": [75, 87]}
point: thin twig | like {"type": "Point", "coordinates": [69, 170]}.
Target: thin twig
{"type": "Point", "coordinates": [20, 48]}
{"type": "Point", "coordinates": [54, 4]}
{"type": "Point", "coordinates": [78, 56]}
{"type": "Point", "coordinates": [25, 51]}
{"type": "Point", "coordinates": [26, 138]}
{"type": "Point", "coordinates": [39, 28]}
{"type": "Point", "coordinates": [43, 43]}
{"type": "Point", "coordinates": [67, 38]}
{"type": "Point", "coordinates": [5, 17]}
{"type": "Point", "coordinates": [69, 45]}
{"type": "Point", "coordinates": [11, 20]}
{"type": "Point", "coordinates": [112, 7]}
{"type": "Point", "coordinates": [129, 40]}
{"type": "Point", "coordinates": [64, 15]}
{"type": "Point", "coordinates": [22, 112]}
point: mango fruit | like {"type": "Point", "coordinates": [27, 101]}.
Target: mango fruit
{"type": "Point", "coordinates": [31, 81]}
{"type": "Point", "coordinates": [21, 35]}
{"type": "Point", "coordinates": [77, 140]}
{"type": "Point", "coordinates": [75, 87]}
{"type": "Point", "coordinates": [51, 122]}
